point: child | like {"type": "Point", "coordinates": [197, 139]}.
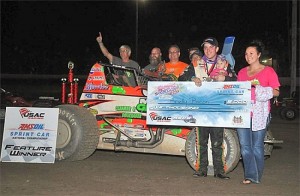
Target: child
{"type": "Point", "coordinates": [221, 68]}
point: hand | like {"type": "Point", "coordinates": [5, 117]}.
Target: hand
{"type": "Point", "coordinates": [220, 78]}
{"type": "Point", "coordinates": [197, 81]}
{"type": "Point", "coordinates": [162, 67]}
{"type": "Point", "coordinates": [99, 38]}
{"type": "Point", "coordinates": [255, 82]}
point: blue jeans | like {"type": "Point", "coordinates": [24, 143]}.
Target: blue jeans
{"type": "Point", "coordinates": [252, 150]}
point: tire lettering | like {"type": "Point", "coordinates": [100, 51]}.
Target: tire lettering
{"type": "Point", "coordinates": [60, 155]}
{"type": "Point", "coordinates": [71, 117]}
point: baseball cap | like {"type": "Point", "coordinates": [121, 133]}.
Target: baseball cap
{"type": "Point", "coordinates": [197, 52]}
{"type": "Point", "coordinates": [211, 40]}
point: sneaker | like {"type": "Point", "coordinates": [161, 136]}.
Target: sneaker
{"type": "Point", "coordinates": [199, 174]}
{"type": "Point", "coordinates": [221, 176]}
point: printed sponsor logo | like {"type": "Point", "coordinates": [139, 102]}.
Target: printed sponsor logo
{"type": "Point", "coordinates": [88, 95]}
{"type": "Point", "coordinates": [170, 89]}
{"type": "Point", "coordinates": [238, 120]}
{"type": "Point", "coordinates": [128, 125]}
{"type": "Point", "coordinates": [31, 127]}
{"type": "Point", "coordinates": [186, 119]}
{"type": "Point", "coordinates": [231, 91]}
{"type": "Point", "coordinates": [229, 86]}
{"type": "Point", "coordinates": [98, 78]}
{"type": "Point", "coordinates": [28, 151]}
{"type": "Point", "coordinates": [94, 111]}
{"type": "Point", "coordinates": [100, 96]}
{"type": "Point", "coordinates": [139, 126]}
{"type": "Point", "coordinates": [29, 135]}
{"type": "Point", "coordinates": [236, 102]}
{"type": "Point", "coordinates": [155, 117]}
{"type": "Point", "coordinates": [25, 113]}
{"type": "Point", "coordinates": [96, 87]}
{"type": "Point", "coordinates": [131, 115]}
{"type": "Point", "coordinates": [93, 70]}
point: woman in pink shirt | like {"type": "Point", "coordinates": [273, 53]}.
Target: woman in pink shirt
{"type": "Point", "coordinates": [265, 85]}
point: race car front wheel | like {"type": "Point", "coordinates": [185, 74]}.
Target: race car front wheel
{"type": "Point", "coordinates": [77, 133]}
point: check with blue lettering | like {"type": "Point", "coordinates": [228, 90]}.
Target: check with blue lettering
{"type": "Point", "coordinates": [214, 104]}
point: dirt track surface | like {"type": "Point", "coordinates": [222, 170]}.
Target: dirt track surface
{"type": "Point", "coordinates": [118, 173]}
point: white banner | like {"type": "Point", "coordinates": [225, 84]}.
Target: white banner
{"type": "Point", "coordinates": [29, 135]}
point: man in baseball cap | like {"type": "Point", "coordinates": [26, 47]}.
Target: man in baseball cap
{"type": "Point", "coordinates": [211, 47]}
{"type": "Point", "coordinates": [211, 40]}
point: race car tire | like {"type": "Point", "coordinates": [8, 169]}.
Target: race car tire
{"type": "Point", "coordinates": [231, 151]}
{"type": "Point", "coordinates": [268, 147]}
{"type": "Point", "coordinates": [288, 113]}
{"type": "Point", "coordinates": [77, 134]}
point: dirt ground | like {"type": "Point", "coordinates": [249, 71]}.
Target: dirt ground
{"type": "Point", "coordinates": [118, 173]}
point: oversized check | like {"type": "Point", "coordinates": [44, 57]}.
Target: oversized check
{"type": "Point", "coordinates": [214, 104]}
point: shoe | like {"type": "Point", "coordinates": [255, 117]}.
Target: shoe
{"type": "Point", "coordinates": [199, 174]}
{"type": "Point", "coordinates": [221, 176]}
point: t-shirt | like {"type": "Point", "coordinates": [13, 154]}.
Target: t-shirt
{"type": "Point", "coordinates": [154, 70]}
{"type": "Point", "coordinates": [130, 64]}
{"type": "Point", "coordinates": [151, 67]}
{"type": "Point", "coordinates": [175, 68]}
{"type": "Point", "coordinates": [266, 77]}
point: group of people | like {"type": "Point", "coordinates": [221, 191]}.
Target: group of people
{"type": "Point", "coordinates": [213, 67]}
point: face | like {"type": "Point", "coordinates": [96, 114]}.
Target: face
{"type": "Point", "coordinates": [210, 51]}
{"type": "Point", "coordinates": [155, 53]}
{"type": "Point", "coordinates": [124, 53]}
{"type": "Point", "coordinates": [252, 55]}
{"type": "Point", "coordinates": [221, 64]}
{"type": "Point", "coordinates": [191, 52]}
{"type": "Point", "coordinates": [196, 58]}
{"type": "Point", "coordinates": [155, 56]}
{"type": "Point", "coordinates": [174, 54]}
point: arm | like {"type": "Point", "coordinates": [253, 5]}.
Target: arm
{"type": "Point", "coordinates": [274, 82]}
{"type": "Point", "coordinates": [104, 49]}
{"type": "Point", "coordinates": [231, 75]}
{"type": "Point", "coordinates": [187, 74]}
{"type": "Point", "coordinates": [190, 75]}
{"type": "Point", "coordinates": [276, 92]}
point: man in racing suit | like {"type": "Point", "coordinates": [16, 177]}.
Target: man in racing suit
{"type": "Point", "coordinates": [210, 48]}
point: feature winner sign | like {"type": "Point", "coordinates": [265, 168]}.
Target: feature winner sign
{"type": "Point", "coordinates": [29, 135]}
{"type": "Point", "coordinates": [214, 104]}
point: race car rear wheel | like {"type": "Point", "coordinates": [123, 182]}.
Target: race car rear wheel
{"type": "Point", "coordinates": [231, 151]}
{"type": "Point", "coordinates": [77, 134]}
{"type": "Point", "coordinates": [288, 113]}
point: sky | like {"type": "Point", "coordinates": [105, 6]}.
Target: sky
{"type": "Point", "coordinates": [40, 37]}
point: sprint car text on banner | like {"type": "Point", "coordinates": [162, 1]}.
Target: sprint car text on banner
{"type": "Point", "coordinates": [29, 135]}
{"type": "Point", "coordinates": [214, 104]}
